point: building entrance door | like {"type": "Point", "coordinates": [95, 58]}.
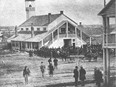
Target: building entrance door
{"type": "Point", "coordinates": [67, 42]}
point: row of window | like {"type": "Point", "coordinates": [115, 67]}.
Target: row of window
{"type": "Point", "coordinates": [38, 29]}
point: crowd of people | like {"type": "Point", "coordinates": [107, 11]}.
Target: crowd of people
{"type": "Point", "coordinates": [89, 51]}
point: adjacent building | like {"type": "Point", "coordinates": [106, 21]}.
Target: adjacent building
{"type": "Point", "coordinates": [109, 36]}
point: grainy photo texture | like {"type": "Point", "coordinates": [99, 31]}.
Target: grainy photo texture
{"type": "Point", "coordinates": [57, 43]}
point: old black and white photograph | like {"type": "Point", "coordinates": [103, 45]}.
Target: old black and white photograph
{"type": "Point", "coordinates": [57, 43]}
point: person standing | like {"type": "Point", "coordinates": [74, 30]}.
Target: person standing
{"type": "Point", "coordinates": [82, 74]}
{"type": "Point", "coordinates": [26, 73]}
{"type": "Point", "coordinates": [95, 71]}
{"type": "Point", "coordinates": [55, 63]}
{"type": "Point", "coordinates": [98, 77]}
{"type": "Point", "coordinates": [50, 60]}
{"type": "Point", "coordinates": [42, 67]}
{"type": "Point", "coordinates": [51, 69]}
{"type": "Point", "coordinates": [76, 75]}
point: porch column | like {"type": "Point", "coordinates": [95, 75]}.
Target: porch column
{"type": "Point", "coordinates": [115, 27]}
{"type": "Point", "coordinates": [52, 37]}
{"type": "Point", "coordinates": [31, 46]}
{"type": "Point", "coordinates": [58, 32]}
{"type": "Point", "coordinates": [106, 59]}
{"type": "Point", "coordinates": [21, 45]}
{"type": "Point", "coordinates": [67, 29]}
{"type": "Point", "coordinates": [107, 28]}
{"type": "Point", "coordinates": [25, 45]}
{"type": "Point", "coordinates": [104, 34]}
{"type": "Point", "coordinates": [38, 45]}
{"type": "Point", "coordinates": [81, 37]}
{"type": "Point", "coordinates": [42, 42]}
{"type": "Point", "coordinates": [90, 40]}
{"type": "Point", "coordinates": [106, 67]}
{"type": "Point", "coordinates": [11, 45]}
{"type": "Point", "coordinates": [75, 32]}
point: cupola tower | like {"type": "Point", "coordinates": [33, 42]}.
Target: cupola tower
{"type": "Point", "coordinates": [30, 8]}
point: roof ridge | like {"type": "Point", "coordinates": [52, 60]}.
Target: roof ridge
{"type": "Point", "coordinates": [45, 15]}
{"type": "Point", "coordinates": [39, 19]}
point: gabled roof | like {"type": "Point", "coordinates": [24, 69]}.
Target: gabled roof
{"type": "Point", "coordinates": [106, 7]}
{"type": "Point", "coordinates": [42, 20]}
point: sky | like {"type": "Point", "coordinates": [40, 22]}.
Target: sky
{"type": "Point", "coordinates": [12, 12]}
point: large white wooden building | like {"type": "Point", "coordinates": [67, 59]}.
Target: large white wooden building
{"type": "Point", "coordinates": [51, 30]}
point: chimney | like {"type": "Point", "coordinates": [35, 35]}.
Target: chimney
{"type": "Point", "coordinates": [49, 17]}
{"type": "Point", "coordinates": [61, 12]}
{"type": "Point", "coordinates": [16, 31]}
{"type": "Point", "coordinates": [80, 23]}
{"type": "Point", "coordinates": [32, 30]}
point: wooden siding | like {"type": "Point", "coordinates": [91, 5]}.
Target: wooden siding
{"type": "Point", "coordinates": [111, 10]}
{"type": "Point", "coordinates": [111, 38]}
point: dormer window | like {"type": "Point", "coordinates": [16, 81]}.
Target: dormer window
{"type": "Point", "coordinates": [44, 29]}
{"type": "Point", "coordinates": [22, 29]}
{"type": "Point", "coordinates": [27, 29]}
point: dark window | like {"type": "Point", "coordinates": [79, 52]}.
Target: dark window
{"type": "Point", "coordinates": [30, 5]}
{"type": "Point", "coordinates": [38, 29]}
{"type": "Point", "coordinates": [21, 28]}
{"type": "Point", "coordinates": [44, 29]}
{"type": "Point", "coordinates": [73, 40]}
{"type": "Point", "coordinates": [63, 31]}
{"type": "Point", "coordinates": [78, 32]}
{"type": "Point", "coordinates": [27, 29]}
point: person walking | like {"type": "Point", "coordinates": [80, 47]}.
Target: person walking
{"type": "Point", "coordinates": [51, 69]}
{"type": "Point", "coordinates": [55, 63]}
{"type": "Point", "coordinates": [42, 68]}
{"type": "Point", "coordinates": [76, 75]}
{"type": "Point", "coordinates": [26, 73]}
{"type": "Point", "coordinates": [98, 77]}
{"type": "Point", "coordinates": [82, 74]}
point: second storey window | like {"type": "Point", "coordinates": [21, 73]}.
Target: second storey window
{"type": "Point", "coordinates": [21, 28]}
{"type": "Point", "coordinates": [27, 29]}
{"type": "Point", "coordinates": [38, 29]}
{"type": "Point", "coordinates": [44, 29]}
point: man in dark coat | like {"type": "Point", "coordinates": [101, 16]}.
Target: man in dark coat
{"type": "Point", "coordinates": [98, 77]}
{"type": "Point", "coordinates": [55, 63]}
{"type": "Point", "coordinates": [26, 73]}
{"type": "Point", "coordinates": [76, 75]}
{"type": "Point", "coordinates": [82, 75]}
{"type": "Point", "coordinates": [51, 69]}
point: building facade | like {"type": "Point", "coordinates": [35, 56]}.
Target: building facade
{"type": "Point", "coordinates": [51, 30]}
